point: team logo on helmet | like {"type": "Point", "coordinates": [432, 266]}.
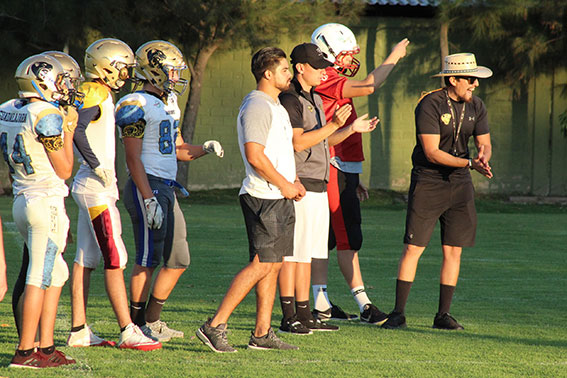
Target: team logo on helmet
{"type": "Point", "coordinates": [41, 70]}
{"type": "Point", "coordinates": [155, 58]}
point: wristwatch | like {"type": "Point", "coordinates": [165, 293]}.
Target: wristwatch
{"type": "Point", "coordinates": [470, 164]}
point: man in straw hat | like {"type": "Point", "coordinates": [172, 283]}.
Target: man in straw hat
{"type": "Point", "coordinates": [441, 186]}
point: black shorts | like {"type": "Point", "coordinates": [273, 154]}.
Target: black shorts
{"type": "Point", "coordinates": [269, 225]}
{"type": "Point", "coordinates": [448, 199]}
{"type": "Point", "coordinates": [345, 231]}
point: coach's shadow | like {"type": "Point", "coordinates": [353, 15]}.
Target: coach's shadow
{"type": "Point", "coordinates": [468, 333]}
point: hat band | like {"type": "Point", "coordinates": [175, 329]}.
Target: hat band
{"type": "Point", "coordinates": [459, 71]}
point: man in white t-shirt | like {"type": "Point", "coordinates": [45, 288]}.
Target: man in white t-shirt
{"type": "Point", "coordinates": [270, 185]}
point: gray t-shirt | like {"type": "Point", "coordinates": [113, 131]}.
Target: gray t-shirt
{"type": "Point", "coordinates": [265, 121]}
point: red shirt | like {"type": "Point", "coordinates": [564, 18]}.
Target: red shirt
{"type": "Point", "coordinates": [331, 91]}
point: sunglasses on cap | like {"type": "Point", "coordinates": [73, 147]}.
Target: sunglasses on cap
{"type": "Point", "coordinates": [470, 79]}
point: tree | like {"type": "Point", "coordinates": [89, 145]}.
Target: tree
{"type": "Point", "coordinates": [201, 28]}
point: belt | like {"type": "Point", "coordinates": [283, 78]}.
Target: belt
{"type": "Point", "coordinates": [173, 184]}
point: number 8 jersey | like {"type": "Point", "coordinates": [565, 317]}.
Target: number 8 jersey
{"type": "Point", "coordinates": [27, 130]}
{"type": "Point", "coordinates": [144, 116]}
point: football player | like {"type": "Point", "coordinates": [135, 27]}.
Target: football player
{"type": "Point", "coordinates": [109, 63]}
{"type": "Point", "coordinates": [71, 98]}
{"type": "Point", "coordinates": [344, 188]}
{"type": "Point", "coordinates": [148, 124]}
{"type": "Point", "coordinates": [36, 137]}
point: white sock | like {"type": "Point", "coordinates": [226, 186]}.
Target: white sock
{"type": "Point", "coordinates": [360, 297]}
{"type": "Point", "coordinates": [321, 299]}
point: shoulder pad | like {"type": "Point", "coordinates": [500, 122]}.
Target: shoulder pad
{"type": "Point", "coordinates": [95, 94]}
{"type": "Point", "coordinates": [129, 111]}
{"type": "Point", "coordinates": [49, 123]}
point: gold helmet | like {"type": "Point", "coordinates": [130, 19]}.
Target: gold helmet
{"type": "Point", "coordinates": [162, 64]}
{"type": "Point", "coordinates": [71, 66]}
{"type": "Point", "coordinates": [111, 61]}
{"type": "Point", "coordinates": [43, 77]}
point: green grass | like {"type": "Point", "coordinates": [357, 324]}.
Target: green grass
{"type": "Point", "coordinates": [510, 298]}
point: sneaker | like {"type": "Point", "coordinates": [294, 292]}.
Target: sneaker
{"type": "Point", "coordinates": [133, 338]}
{"type": "Point", "coordinates": [372, 315]}
{"type": "Point", "coordinates": [58, 358]}
{"type": "Point", "coordinates": [36, 360]}
{"type": "Point", "coordinates": [334, 312]}
{"type": "Point", "coordinates": [396, 320]}
{"type": "Point", "coordinates": [148, 332]}
{"type": "Point", "coordinates": [215, 337]}
{"type": "Point", "coordinates": [161, 331]}
{"type": "Point", "coordinates": [292, 325]}
{"type": "Point", "coordinates": [317, 325]}
{"type": "Point", "coordinates": [87, 338]}
{"type": "Point", "coordinates": [446, 321]}
{"type": "Point", "coordinates": [270, 341]}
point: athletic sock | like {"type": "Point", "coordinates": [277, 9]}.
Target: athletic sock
{"type": "Point", "coordinates": [359, 294]}
{"type": "Point", "coordinates": [138, 313]}
{"type": "Point", "coordinates": [302, 310]}
{"type": "Point", "coordinates": [288, 307]}
{"type": "Point", "coordinates": [77, 328]}
{"type": "Point", "coordinates": [321, 298]}
{"type": "Point", "coordinates": [402, 294]}
{"type": "Point", "coordinates": [153, 310]}
{"type": "Point", "coordinates": [48, 350]}
{"type": "Point", "coordinates": [445, 297]}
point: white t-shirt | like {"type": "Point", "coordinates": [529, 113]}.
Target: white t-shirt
{"type": "Point", "coordinates": [265, 121]}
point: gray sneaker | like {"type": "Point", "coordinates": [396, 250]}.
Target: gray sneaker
{"type": "Point", "coordinates": [215, 337]}
{"type": "Point", "coordinates": [160, 327]}
{"type": "Point", "coordinates": [270, 341]}
{"type": "Point", "coordinates": [154, 332]}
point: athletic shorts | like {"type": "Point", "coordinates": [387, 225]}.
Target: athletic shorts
{"type": "Point", "coordinates": [311, 229]}
{"type": "Point", "coordinates": [43, 223]}
{"type": "Point", "coordinates": [99, 231]}
{"type": "Point", "coordinates": [449, 200]}
{"type": "Point", "coordinates": [168, 243]}
{"type": "Point", "coordinates": [269, 225]}
{"type": "Point", "coordinates": [345, 232]}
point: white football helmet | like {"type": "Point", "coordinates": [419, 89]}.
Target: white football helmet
{"type": "Point", "coordinates": [42, 76]}
{"type": "Point", "coordinates": [339, 43]}
{"type": "Point", "coordinates": [111, 61]}
{"type": "Point", "coordinates": [162, 64]}
{"type": "Point", "coordinates": [70, 66]}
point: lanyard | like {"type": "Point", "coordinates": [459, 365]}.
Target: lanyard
{"type": "Point", "coordinates": [456, 130]}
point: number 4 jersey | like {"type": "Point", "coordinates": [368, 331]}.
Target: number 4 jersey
{"type": "Point", "coordinates": [144, 116]}
{"type": "Point", "coordinates": [27, 131]}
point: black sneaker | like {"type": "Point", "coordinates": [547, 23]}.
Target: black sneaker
{"type": "Point", "coordinates": [446, 321]}
{"type": "Point", "coordinates": [215, 337]}
{"type": "Point", "coordinates": [372, 315]}
{"type": "Point", "coordinates": [270, 341]}
{"type": "Point", "coordinates": [317, 325]}
{"type": "Point", "coordinates": [396, 320]}
{"type": "Point", "coordinates": [334, 312]}
{"type": "Point", "coordinates": [292, 325]}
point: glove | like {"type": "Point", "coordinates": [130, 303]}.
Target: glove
{"type": "Point", "coordinates": [154, 213]}
{"type": "Point", "coordinates": [213, 146]}
{"type": "Point", "coordinates": [70, 119]}
{"type": "Point", "coordinates": [105, 175]}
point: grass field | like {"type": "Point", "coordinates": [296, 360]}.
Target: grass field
{"type": "Point", "coordinates": [511, 299]}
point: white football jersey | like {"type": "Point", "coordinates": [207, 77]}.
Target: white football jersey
{"type": "Point", "coordinates": [100, 132]}
{"type": "Point", "coordinates": [21, 123]}
{"type": "Point", "coordinates": [148, 116]}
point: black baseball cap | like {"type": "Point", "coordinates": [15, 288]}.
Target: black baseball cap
{"type": "Point", "coordinates": [310, 53]}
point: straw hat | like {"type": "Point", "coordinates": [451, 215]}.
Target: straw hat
{"type": "Point", "coordinates": [463, 64]}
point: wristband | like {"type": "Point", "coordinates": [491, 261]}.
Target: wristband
{"type": "Point", "coordinates": [470, 164]}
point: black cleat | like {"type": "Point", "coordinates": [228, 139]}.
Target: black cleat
{"type": "Point", "coordinates": [333, 313]}
{"type": "Point", "coordinates": [396, 320]}
{"type": "Point", "coordinates": [446, 321]}
{"type": "Point", "coordinates": [372, 315]}
{"type": "Point", "coordinates": [317, 325]}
